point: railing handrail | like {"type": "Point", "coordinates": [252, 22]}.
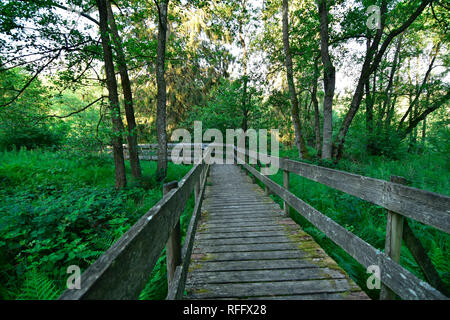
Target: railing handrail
{"type": "Point", "coordinates": [427, 207]}
{"type": "Point", "coordinates": [393, 275]}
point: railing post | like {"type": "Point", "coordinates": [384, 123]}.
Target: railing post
{"type": "Point", "coordinates": [286, 186]}
{"type": "Point", "coordinates": [173, 246]}
{"type": "Point", "coordinates": [266, 188]}
{"type": "Point", "coordinates": [197, 188]}
{"type": "Point", "coordinates": [393, 244]}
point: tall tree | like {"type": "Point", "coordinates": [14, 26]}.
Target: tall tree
{"type": "Point", "coordinates": [329, 79]}
{"type": "Point", "coordinates": [161, 169]}
{"type": "Point", "coordinates": [127, 95]}
{"type": "Point", "coordinates": [111, 83]}
{"type": "Point", "coordinates": [316, 108]}
{"type": "Point", "coordinates": [296, 120]}
{"type": "Point", "coordinates": [245, 70]}
{"type": "Point", "coordinates": [371, 62]}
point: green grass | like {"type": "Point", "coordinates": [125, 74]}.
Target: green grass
{"type": "Point", "coordinates": [368, 221]}
{"type": "Point", "coordinates": [59, 209]}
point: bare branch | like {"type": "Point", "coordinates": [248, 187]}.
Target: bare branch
{"type": "Point", "coordinates": [83, 14]}
{"type": "Point", "coordinates": [74, 112]}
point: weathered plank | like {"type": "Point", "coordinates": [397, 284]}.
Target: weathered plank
{"type": "Point", "coordinates": [393, 242]}
{"type": "Point", "coordinates": [259, 255]}
{"type": "Point", "coordinates": [346, 295]}
{"type": "Point", "coordinates": [239, 214]}
{"type": "Point", "coordinates": [246, 247]}
{"type": "Point", "coordinates": [242, 229]}
{"type": "Point", "coordinates": [265, 275]}
{"type": "Point", "coordinates": [242, 237]}
{"type": "Point", "coordinates": [256, 219]}
{"type": "Point", "coordinates": [253, 265]}
{"type": "Point", "coordinates": [397, 278]}
{"type": "Point", "coordinates": [246, 240]}
{"type": "Point", "coordinates": [271, 288]}
{"type": "Point", "coordinates": [231, 224]}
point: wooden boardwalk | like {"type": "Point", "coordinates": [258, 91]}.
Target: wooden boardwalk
{"type": "Point", "coordinates": [245, 248]}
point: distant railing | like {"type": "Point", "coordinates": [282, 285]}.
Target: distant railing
{"type": "Point", "coordinates": [400, 200]}
{"type": "Point", "coordinates": [149, 151]}
{"type": "Point", "coordinates": [124, 269]}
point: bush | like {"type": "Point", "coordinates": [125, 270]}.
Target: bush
{"type": "Point", "coordinates": [30, 137]}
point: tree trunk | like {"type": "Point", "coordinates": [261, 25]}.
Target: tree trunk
{"type": "Point", "coordinates": [329, 79]}
{"type": "Point", "coordinates": [245, 77]}
{"type": "Point", "coordinates": [128, 98]}
{"type": "Point", "coordinates": [369, 119]}
{"type": "Point", "coordinates": [388, 92]}
{"type": "Point", "coordinates": [299, 140]}
{"type": "Point", "coordinates": [316, 109]}
{"type": "Point", "coordinates": [420, 89]}
{"type": "Point", "coordinates": [430, 108]}
{"type": "Point", "coordinates": [161, 169]}
{"type": "Point", "coordinates": [111, 83]}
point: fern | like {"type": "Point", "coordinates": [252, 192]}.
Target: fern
{"type": "Point", "coordinates": [37, 287]}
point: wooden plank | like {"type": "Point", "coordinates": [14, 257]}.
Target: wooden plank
{"type": "Point", "coordinates": [245, 202]}
{"type": "Point", "coordinates": [221, 235]}
{"type": "Point", "coordinates": [123, 270]}
{"type": "Point", "coordinates": [397, 278]}
{"type": "Point", "coordinates": [271, 288]}
{"type": "Point", "coordinates": [259, 255]}
{"type": "Point", "coordinates": [352, 295]}
{"type": "Point", "coordinates": [254, 211]}
{"type": "Point", "coordinates": [247, 247]}
{"type": "Point", "coordinates": [248, 240]}
{"type": "Point", "coordinates": [241, 217]}
{"type": "Point", "coordinates": [250, 219]}
{"type": "Point", "coordinates": [232, 224]}
{"type": "Point", "coordinates": [243, 207]}
{"type": "Point", "coordinates": [242, 229]}
{"type": "Point", "coordinates": [231, 214]}
{"type": "Point", "coordinates": [265, 275]}
{"type": "Point", "coordinates": [427, 207]}
{"type": "Point", "coordinates": [393, 243]}
{"type": "Point", "coordinates": [252, 265]}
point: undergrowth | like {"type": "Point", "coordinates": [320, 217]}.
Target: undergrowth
{"type": "Point", "coordinates": [59, 209]}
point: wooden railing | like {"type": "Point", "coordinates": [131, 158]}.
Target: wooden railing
{"type": "Point", "coordinates": [124, 269]}
{"type": "Point", "coordinates": [401, 201]}
{"type": "Point", "coordinates": [148, 151]}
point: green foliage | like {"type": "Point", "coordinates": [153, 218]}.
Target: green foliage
{"type": "Point", "coordinates": [37, 287]}
{"type": "Point", "coordinates": [40, 136]}
{"type": "Point", "coordinates": [24, 122]}
{"type": "Point", "coordinates": [61, 209]}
